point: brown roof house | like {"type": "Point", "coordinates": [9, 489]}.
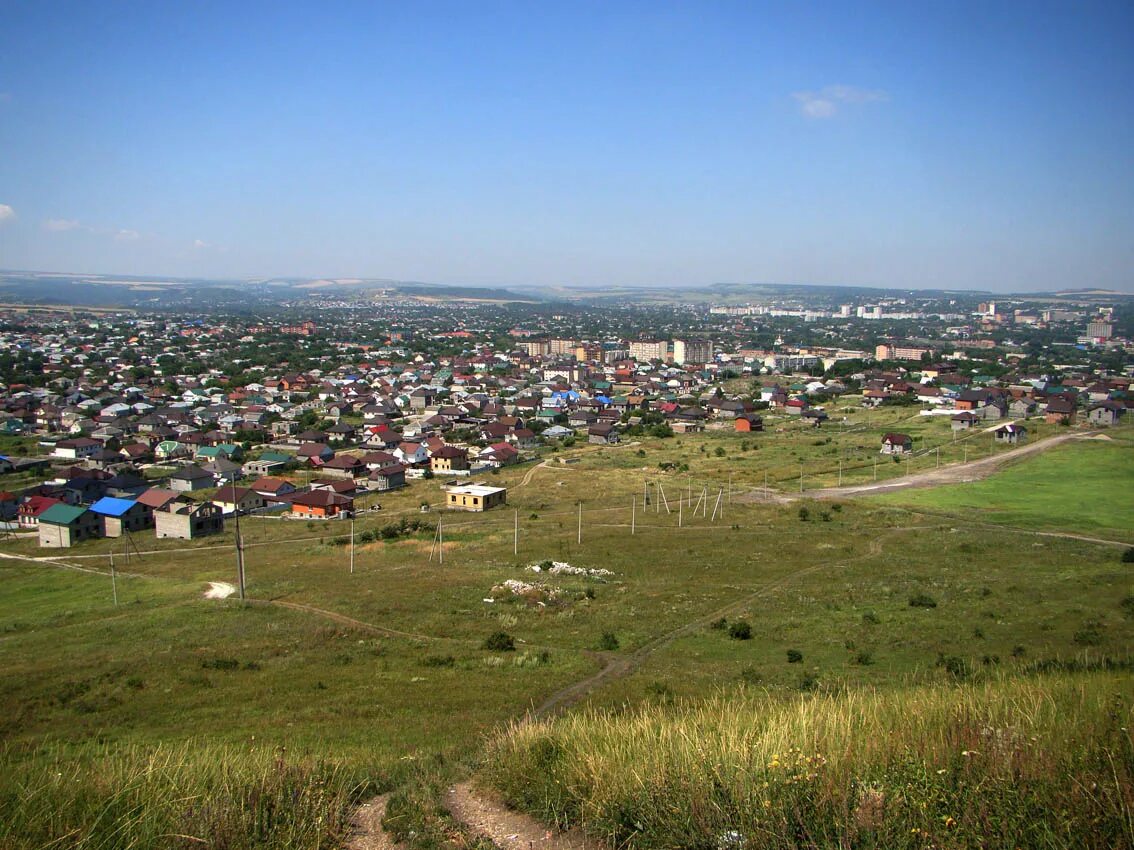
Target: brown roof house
{"type": "Point", "coordinates": [896, 444]}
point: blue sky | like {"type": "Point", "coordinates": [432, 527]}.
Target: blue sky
{"type": "Point", "coordinates": [912, 144]}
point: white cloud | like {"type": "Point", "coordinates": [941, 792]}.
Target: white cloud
{"type": "Point", "coordinates": [825, 103]}
{"type": "Point", "coordinates": [127, 236]}
{"type": "Point", "coordinates": [6, 213]}
{"type": "Point", "coordinates": [200, 244]}
{"type": "Point", "coordinates": [59, 225]}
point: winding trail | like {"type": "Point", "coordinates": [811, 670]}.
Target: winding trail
{"type": "Point", "coordinates": [507, 828]}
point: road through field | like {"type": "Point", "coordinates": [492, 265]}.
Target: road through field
{"type": "Point", "coordinates": [957, 473]}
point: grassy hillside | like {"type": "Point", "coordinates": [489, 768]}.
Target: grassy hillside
{"type": "Point", "coordinates": [1034, 762]}
{"type": "Point", "coordinates": [844, 597]}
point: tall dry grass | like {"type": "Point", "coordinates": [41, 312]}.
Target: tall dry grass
{"type": "Point", "coordinates": [1031, 762]}
{"type": "Point", "coordinates": [190, 795]}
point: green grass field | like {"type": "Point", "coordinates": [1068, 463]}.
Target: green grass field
{"type": "Point", "coordinates": [1087, 488]}
{"type": "Point", "coordinates": [410, 690]}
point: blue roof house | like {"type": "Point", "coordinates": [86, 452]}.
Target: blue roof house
{"type": "Point", "coordinates": [120, 516]}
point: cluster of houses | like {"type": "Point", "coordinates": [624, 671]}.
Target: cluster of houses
{"type": "Point", "coordinates": [178, 453]}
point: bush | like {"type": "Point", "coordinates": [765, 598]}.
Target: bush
{"type": "Point", "coordinates": [1128, 556]}
{"type": "Point", "coordinates": [863, 658]}
{"type": "Point", "coordinates": [1090, 635]}
{"type": "Point", "coordinates": [751, 676]}
{"type": "Point", "coordinates": [438, 661]}
{"type": "Point", "coordinates": [500, 642]}
{"type": "Point", "coordinates": [608, 642]}
{"type": "Point", "coordinates": [740, 630]}
{"type": "Point", "coordinates": [955, 666]}
{"type": "Point", "coordinates": [719, 625]}
{"type": "Point", "coordinates": [804, 514]}
{"type": "Point", "coordinates": [922, 600]}
{"type": "Point", "coordinates": [809, 683]}
{"type": "Point", "coordinates": [794, 656]}
{"type": "Point", "coordinates": [870, 618]}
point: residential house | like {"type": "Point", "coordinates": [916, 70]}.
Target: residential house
{"type": "Point", "coordinates": [1010, 434]}
{"type": "Point", "coordinates": [77, 448]}
{"type": "Point", "coordinates": [896, 444]}
{"type": "Point", "coordinates": [119, 516]}
{"type": "Point", "coordinates": [190, 478]}
{"type": "Point", "coordinates": [321, 504]}
{"type": "Point", "coordinates": [1106, 413]}
{"type": "Point", "coordinates": [186, 520]}
{"type": "Point", "coordinates": [232, 500]}
{"type": "Point", "coordinates": [748, 422]}
{"type": "Point", "coordinates": [267, 463]}
{"type": "Point", "coordinates": [474, 497]}
{"type": "Point", "coordinates": [449, 459]}
{"type": "Point", "coordinates": [272, 488]}
{"type": "Point", "coordinates": [30, 510]}
{"type": "Point", "coordinates": [61, 526]}
{"type": "Point", "coordinates": [387, 478]}
{"type": "Point", "coordinates": [1061, 409]}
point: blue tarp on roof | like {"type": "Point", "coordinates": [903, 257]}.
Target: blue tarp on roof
{"type": "Point", "coordinates": [570, 395]}
{"type": "Point", "coordinates": [109, 506]}
{"type": "Point", "coordinates": [602, 399]}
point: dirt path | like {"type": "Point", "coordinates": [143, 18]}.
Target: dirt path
{"type": "Point", "coordinates": [508, 829]}
{"type": "Point", "coordinates": [366, 827]}
{"type": "Point", "coordinates": [342, 619]}
{"type": "Point", "coordinates": [957, 473]}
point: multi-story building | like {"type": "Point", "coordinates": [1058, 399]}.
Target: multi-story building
{"type": "Point", "coordinates": [645, 350]}
{"type": "Point", "coordinates": [692, 351]}
{"type": "Point", "coordinates": [1100, 330]}
{"type": "Point", "coordinates": [562, 347]}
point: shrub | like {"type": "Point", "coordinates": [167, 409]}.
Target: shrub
{"type": "Point", "coordinates": [608, 642]}
{"type": "Point", "coordinates": [870, 618]}
{"type": "Point", "coordinates": [804, 514]}
{"type": "Point", "coordinates": [1128, 556]}
{"type": "Point", "coordinates": [955, 666]}
{"type": "Point", "coordinates": [438, 661]}
{"type": "Point", "coordinates": [864, 658]}
{"type": "Point", "coordinates": [1090, 635]}
{"type": "Point", "coordinates": [809, 683]}
{"type": "Point", "coordinates": [720, 625]}
{"type": "Point", "coordinates": [740, 630]}
{"type": "Point", "coordinates": [922, 600]}
{"type": "Point", "coordinates": [500, 642]}
{"type": "Point", "coordinates": [794, 656]}
{"type": "Point", "coordinates": [719, 451]}
{"type": "Point", "coordinates": [220, 664]}
{"type": "Point", "coordinates": [825, 516]}
{"type": "Point", "coordinates": [751, 676]}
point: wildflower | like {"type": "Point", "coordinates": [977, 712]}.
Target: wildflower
{"type": "Point", "coordinates": [949, 822]}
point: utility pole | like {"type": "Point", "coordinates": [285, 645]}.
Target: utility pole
{"type": "Point", "coordinates": [516, 532]}
{"type": "Point", "coordinates": [729, 488]}
{"type": "Point", "coordinates": [765, 485]}
{"type": "Point", "coordinates": [680, 503]}
{"type": "Point", "coordinates": [939, 457]}
{"type": "Point", "coordinates": [239, 556]}
{"type": "Point", "coordinates": [580, 537]}
{"type": "Point", "coordinates": [966, 454]}
{"type": "Point", "coordinates": [875, 467]}
{"type": "Point", "coordinates": [840, 472]}
{"type": "Point", "coordinates": [440, 543]}
{"type": "Point", "coordinates": [113, 580]}
{"type": "Point", "coordinates": [352, 544]}
{"type": "Point", "coordinates": [633, 515]}
{"type": "Point", "coordinates": [801, 478]}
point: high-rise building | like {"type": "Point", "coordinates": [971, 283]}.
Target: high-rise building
{"type": "Point", "coordinates": [562, 346]}
{"type": "Point", "coordinates": [692, 351]}
{"type": "Point", "coordinates": [1100, 330]}
{"type": "Point", "coordinates": [645, 350]}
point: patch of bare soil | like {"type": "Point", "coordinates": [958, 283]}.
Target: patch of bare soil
{"type": "Point", "coordinates": [366, 827]}
{"type": "Point", "coordinates": [508, 829]}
